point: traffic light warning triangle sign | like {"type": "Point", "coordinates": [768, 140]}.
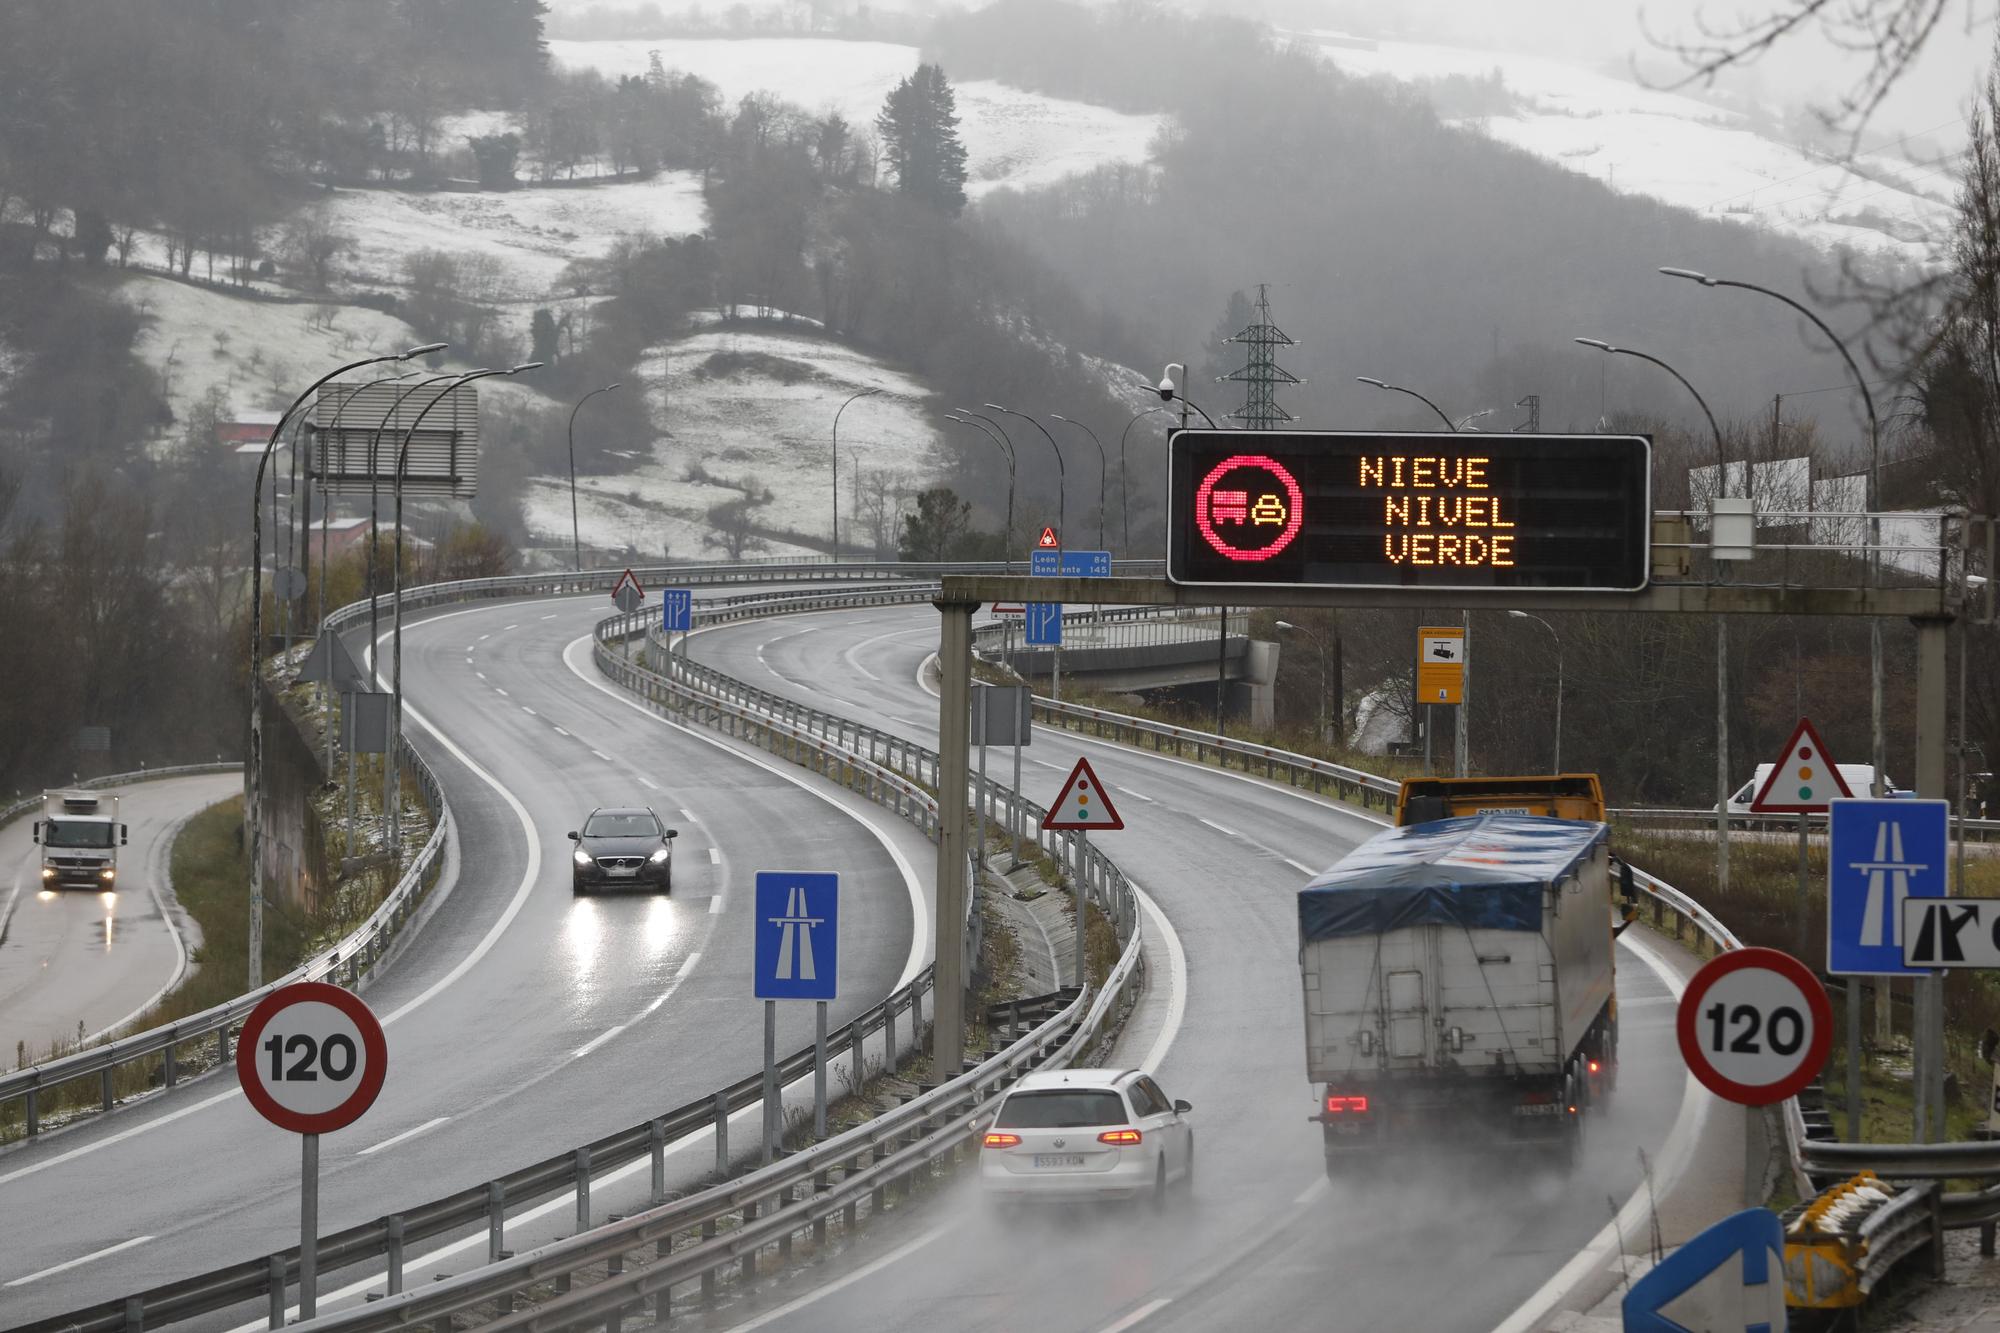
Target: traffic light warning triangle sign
{"type": "Point", "coordinates": [1804, 780]}
{"type": "Point", "coordinates": [1083, 803]}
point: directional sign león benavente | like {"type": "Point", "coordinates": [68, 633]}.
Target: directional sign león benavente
{"type": "Point", "coordinates": [311, 1058]}
{"type": "Point", "coordinates": [1879, 854]}
{"type": "Point", "coordinates": [797, 925]}
{"type": "Point", "coordinates": [1754, 1026]}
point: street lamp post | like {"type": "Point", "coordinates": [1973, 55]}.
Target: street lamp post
{"type": "Point", "coordinates": [836, 465]}
{"type": "Point", "coordinates": [1125, 491]}
{"type": "Point", "coordinates": [1721, 623]}
{"type": "Point", "coordinates": [998, 437]}
{"type": "Point", "coordinates": [1557, 765]}
{"type": "Point", "coordinates": [1371, 381]}
{"type": "Point", "coordinates": [395, 808]}
{"type": "Point", "coordinates": [1103, 471]}
{"type": "Point", "coordinates": [1062, 474]}
{"type": "Point", "coordinates": [575, 533]}
{"type": "Point", "coordinates": [254, 762]}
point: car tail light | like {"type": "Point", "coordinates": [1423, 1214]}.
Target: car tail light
{"type": "Point", "coordinates": [1001, 1141]}
{"type": "Point", "coordinates": [1594, 1066]}
{"type": "Point", "coordinates": [1121, 1136]}
{"type": "Point", "coordinates": [1337, 1104]}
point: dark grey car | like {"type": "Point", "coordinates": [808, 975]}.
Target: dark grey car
{"type": "Point", "coordinates": [625, 847]}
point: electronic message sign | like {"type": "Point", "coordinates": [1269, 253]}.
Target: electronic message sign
{"type": "Point", "coordinates": [1340, 509]}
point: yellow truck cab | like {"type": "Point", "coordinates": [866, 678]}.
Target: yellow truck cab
{"type": "Point", "coordinates": [1559, 796]}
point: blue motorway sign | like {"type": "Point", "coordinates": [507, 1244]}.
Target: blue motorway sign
{"type": "Point", "coordinates": [676, 609]}
{"type": "Point", "coordinates": [1731, 1276]}
{"type": "Point", "coordinates": [1044, 624]}
{"type": "Point", "coordinates": [1878, 854]}
{"type": "Point", "coordinates": [1046, 563]}
{"type": "Point", "coordinates": [798, 935]}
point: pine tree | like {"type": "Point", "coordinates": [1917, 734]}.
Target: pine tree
{"type": "Point", "coordinates": [919, 128]}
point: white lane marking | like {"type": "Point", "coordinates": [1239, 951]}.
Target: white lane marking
{"type": "Point", "coordinates": [715, 856]}
{"type": "Point", "coordinates": [1177, 976]}
{"type": "Point", "coordinates": [403, 1137]}
{"type": "Point", "coordinates": [514, 626]}
{"type": "Point", "coordinates": [1299, 866]}
{"type": "Point", "coordinates": [867, 1270]}
{"type": "Point", "coordinates": [65, 1267]}
{"type": "Point", "coordinates": [560, 732]}
{"type": "Point", "coordinates": [136, 1130]}
{"type": "Point", "coordinates": [1138, 1316]}
{"type": "Point", "coordinates": [468, 661]}
{"type": "Point", "coordinates": [687, 966]}
{"type": "Point", "coordinates": [1138, 796]}
{"type": "Point", "coordinates": [529, 711]}
{"type": "Point", "coordinates": [715, 905]}
{"type": "Point", "coordinates": [1675, 1156]}
{"type": "Point", "coordinates": [674, 985]}
{"type": "Point", "coordinates": [480, 674]}
{"type": "Point", "coordinates": [1225, 832]}
{"type": "Point", "coordinates": [601, 755]}
{"type": "Point", "coordinates": [484, 637]}
{"type": "Point", "coordinates": [550, 616]}
{"type": "Point", "coordinates": [471, 647]}
{"type": "Point", "coordinates": [1310, 1193]}
{"type": "Point", "coordinates": [502, 693]}
{"type": "Point", "coordinates": [920, 908]}
{"type": "Point", "coordinates": [649, 783]}
{"type": "Point", "coordinates": [603, 1037]}
{"type": "Point", "coordinates": [685, 812]}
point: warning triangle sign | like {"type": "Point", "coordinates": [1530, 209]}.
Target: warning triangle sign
{"type": "Point", "coordinates": [1083, 803]}
{"type": "Point", "coordinates": [1805, 780]}
{"type": "Point", "coordinates": [1048, 541]}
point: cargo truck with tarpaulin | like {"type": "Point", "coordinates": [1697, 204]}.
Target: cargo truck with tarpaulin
{"type": "Point", "coordinates": [1458, 981]}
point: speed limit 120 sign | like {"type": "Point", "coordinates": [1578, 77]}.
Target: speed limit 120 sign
{"type": "Point", "coordinates": [1755, 1025]}
{"type": "Point", "coordinates": [311, 1058]}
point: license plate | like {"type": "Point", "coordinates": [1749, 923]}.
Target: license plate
{"type": "Point", "coordinates": [617, 873]}
{"type": "Point", "coordinates": [1058, 1159]}
{"type": "Point", "coordinates": [1537, 1108]}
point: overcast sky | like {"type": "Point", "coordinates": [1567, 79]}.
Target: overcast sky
{"type": "Point", "coordinates": [1805, 69]}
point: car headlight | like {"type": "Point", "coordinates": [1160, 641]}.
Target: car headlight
{"type": "Point", "coordinates": [582, 857]}
{"type": "Point", "coordinates": [108, 873]}
{"type": "Point", "coordinates": [48, 872]}
{"type": "Point", "coordinates": [660, 856]}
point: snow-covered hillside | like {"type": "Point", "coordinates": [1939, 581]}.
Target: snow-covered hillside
{"type": "Point", "coordinates": [1012, 138]}
{"type": "Point", "coordinates": [748, 408]}
{"type": "Point", "coordinates": [1677, 149]}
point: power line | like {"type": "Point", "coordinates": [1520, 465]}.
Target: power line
{"type": "Point", "coordinates": [1843, 164]}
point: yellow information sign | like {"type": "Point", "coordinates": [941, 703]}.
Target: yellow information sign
{"type": "Point", "coordinates": [1440, 664]}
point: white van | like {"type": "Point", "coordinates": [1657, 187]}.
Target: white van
{"type": "Point", "coordinates": [1857, 776]}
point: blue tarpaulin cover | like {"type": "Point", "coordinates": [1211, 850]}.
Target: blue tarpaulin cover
{"type": "Point", "coordinates": [1479, 871]}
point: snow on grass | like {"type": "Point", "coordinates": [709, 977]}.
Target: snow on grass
{"type": "Point", "coordinates": [534, 231]}
{"type": "Point", "coordinates": [1012, 138]}
{"type": "Point", "coordinates": [1678, 149]}
{"type": "Point", "coordinates": [258, 353]}
{"type": "Point", "coordinates": [749, 404]}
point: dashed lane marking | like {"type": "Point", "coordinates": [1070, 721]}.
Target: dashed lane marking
{"type": "Point", "coordinates": [403, 1137]}
{"type": "Point", "coordinates": [715, 856]}
{"type": "Point", "coordinates": [1225, 832]}
{"type": "Point", "coordinates": [65, 1267]}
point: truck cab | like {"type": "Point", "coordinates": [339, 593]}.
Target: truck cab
{"type": "Point", "coordinates": [1558, 796]}
{"type": "Point", "coordinates": [79, 835]}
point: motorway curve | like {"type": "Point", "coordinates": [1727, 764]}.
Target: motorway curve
{"type": "Point", "coordinates": [77, 963]}
{"type": "Point", "coordinates": [1267, 1242]}
{"type": "Point", "coordinates": [521, 1022]}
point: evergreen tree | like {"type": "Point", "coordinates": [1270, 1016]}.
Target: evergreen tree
{"type": "Point", "coordinates": [919, 128]}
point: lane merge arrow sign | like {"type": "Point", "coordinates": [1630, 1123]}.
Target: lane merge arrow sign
{"type": "Point", "coordinates": [1951, 932]}
{"type": "Point", "coordinates": [1083, 803]}
{"type": "Point", "coordinates": [1805, 780]}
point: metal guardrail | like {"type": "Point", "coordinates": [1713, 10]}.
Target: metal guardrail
{"type": "Point", "coordinates": [345, 962]}
{"type": "Point", "coordinates": [1976, 830]}
{"type": "Point", "coordinates": [485, 1206]}
{"type": "Point", "coordinates": [1119, 627]}
{"type": "Point", "coordinates": [21, 807]}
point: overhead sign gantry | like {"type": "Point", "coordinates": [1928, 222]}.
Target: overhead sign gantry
{"type": "Point", "coordinates": [1465, 511]}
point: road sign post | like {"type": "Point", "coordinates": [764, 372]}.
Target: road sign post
{"type": "Point", "coordinates": [1731, 1276]}
{"type": "Point", "coordinates": [311, 1059]}
{"type": "Point", "coordinates": [1082, 805]}
{"type": "Point", "coordinates": [676, 613]}
{"type": "Point", "coordinates": [1879, 855]}
{"type": "Point", "coordinates": [1754, 1026]}
{"type": "Point", "coordinates": [797, 957]}
{"type": "Point", "coordinates": [1803, 781]}
{"type": "Point", "coordinates": [1441, 654]}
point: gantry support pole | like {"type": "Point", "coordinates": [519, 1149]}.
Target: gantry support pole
{"type": "Point", "coordinates": [1927, 1041]}
{"type": "Point", "coordinates": [954, 737]}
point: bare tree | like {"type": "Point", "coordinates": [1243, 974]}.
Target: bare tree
{"type": "Point", "coordinates": [309, 246]}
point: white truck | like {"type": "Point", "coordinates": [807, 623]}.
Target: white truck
{"type": "Point", "coordinates": [1458, 980]}
{"type": "Point", "coordinates": [80, 835]}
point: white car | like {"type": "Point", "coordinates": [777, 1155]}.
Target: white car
{"type": "Point", "coordinates": [1080, 1135]}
